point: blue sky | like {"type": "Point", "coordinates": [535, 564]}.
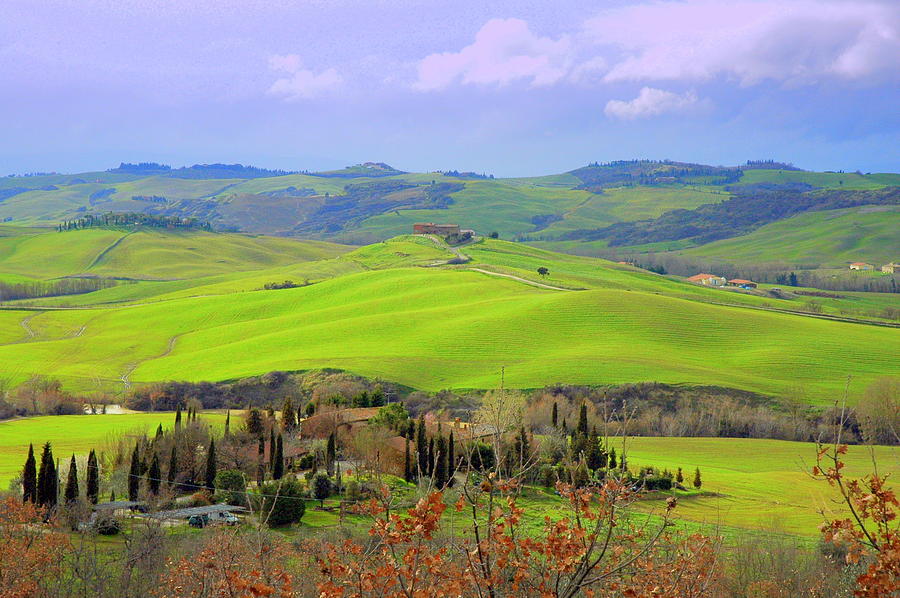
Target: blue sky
{"type": "Point", "coordinates": [510, 88]}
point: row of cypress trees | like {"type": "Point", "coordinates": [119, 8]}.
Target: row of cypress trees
{"type": "Point", "coordinates": [434, 456]}
{"type": "Point", "coordinates": [40, 486]}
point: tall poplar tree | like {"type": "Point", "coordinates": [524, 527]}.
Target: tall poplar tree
{"type": "Point", "coordinates": [72, 491]}
{"type": "Point", "coordinates": [29, 478]}
{"type": "Point", "coordinates": [93, 478]}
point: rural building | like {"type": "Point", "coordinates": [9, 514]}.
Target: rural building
{"type": "Point", "coordinates": [708, 280]}
{"type": "Point", "coordinates": [322, 424]}
{"type": "Point", "coordinates": [861, 266]}
{"type": "Point", "coordinates": [740, 282]}
{"type": "Point", "coordinates": [430, 228]}
{"type": "Point", "coordinates": [214, 513]}
{"type": "Point", "coordinates": [890, 268]}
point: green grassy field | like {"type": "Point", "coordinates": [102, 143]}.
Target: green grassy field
{"type": "Point", "coordinates": [756, 484]}
{"type": "Point", "coordinates": [827, 180]}
{"type": "Point", "coordinates": [377, 312]}
{"type": "Point", "coordinates": [831, 238]}
{"type": "Point", "coordinates": [76, 434]}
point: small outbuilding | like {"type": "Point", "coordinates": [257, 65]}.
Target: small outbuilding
{"type": "Point", "coordinates": [861, 266]}
{"type": "Point", "coordinates": [740, 282]}
{"type": "Point", "coordinates": [890, 268]}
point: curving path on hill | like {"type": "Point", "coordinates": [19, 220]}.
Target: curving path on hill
{"type": "Point", "coordinates": [533, 283]}
{"type": "Point", "coordinates": [25, 324]}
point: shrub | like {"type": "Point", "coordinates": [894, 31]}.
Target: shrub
{"type": "Point", "coordinates": [107, 526]}
{"type": "Point", "coordinates": [282, 502]}
{"type": "Point", "coordinates": [230, 487]}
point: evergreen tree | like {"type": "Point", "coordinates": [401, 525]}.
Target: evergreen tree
{"type": "Point", "coordinates": [582, 428]}
{"type": "Point", "coordinates": [792, 280]}
{"type": "Point", "coordinates": [554, 417]}
{"type": "Point", "coordinates": [29, 478]}
{"type": "Point", "coordinates": [594, 452]}
{"type": "Point", "coordinates": [172, 475]}
{"type": "Point", "coordinates": [407, 466]}
{"type": "Point", "coordinates": [612, 459]}
{"type": "Point", "coordinates": [134, 474]}
{"type": "Point", "coordinates": [47, 482]}
{"type": "Point", "coordinates": [178, 417]}
{"type": "Point", "coordinates": [278, 469]}
{"type": "Point", "coordinates": [72, 491]}
{"type": "Point", "coordinates": [254, 423]}
{"type": "Point", "coordinates": [227, 423]}
{"type": "Point", "coordinates": [310, 409]}
{"type": "Point", "coordinates": [623, 464]}
{"type": "Point", "coordinates": [451, 459]}
{"type": "Point", "coordinates": [159, 433]}
{"type": "Point", "coordinates": [271, 449]}
{"type": "Point", "coordinates": [211, 465]}
{"type": "Point", "coordinates": [697, 481]}
{"type": "Point", "coordinates": [260, 461]}
{"type": "Point", "coordinates": [154, 474]}
{"type": "Point", "coordinates": [431, 456]}
{"type": "Point", "coordinates": [421, 448]}
{"type": "Point", "coordinates": [377, 398]}
{"type": "Point", "coordinates": [330, 453]}
{"type": "Point", "coordinates": [288, 419]}
{"type": "Point", "coordinates": [440, 463]}
{"type": "Point", "coordinates": [565, 427]}
{"type": "Point", "coordinates": [679, 477]}
{"type": "Point", "coordinates": [93, 478]}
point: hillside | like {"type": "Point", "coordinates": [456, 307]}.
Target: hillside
{"type": "Point", "coordinates": [831, 239]}
{"type": "Point", "coordinates": [374, 201]}
{"type": "Point", "coordinates": [420, 321]}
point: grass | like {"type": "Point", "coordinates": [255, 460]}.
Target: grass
{"type": "Point", "coordinates": [151, 253]}
{"type": "Point", "coordinates": [76, 434]}
{"type": "Point", "coordinates": [827, 180]}
{"type": "Point", "coordinates": [434, 328]}
{"type": "Point", "coordinates": [755, 484]}
{"type": "Point", "coordinates": [831, 238]}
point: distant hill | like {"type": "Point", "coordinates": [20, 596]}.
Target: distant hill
{"type": "Point", "coordinates": [620, 204]}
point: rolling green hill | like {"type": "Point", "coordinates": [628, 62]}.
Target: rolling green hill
{"type": "Point", "coordinates": [831, 239]}
{"type": "Point", "coordinates": [398, 310]}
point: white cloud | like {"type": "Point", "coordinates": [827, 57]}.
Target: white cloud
{"type": "Point", "coordinates": [504, 50]}
{"type": "Point", "coordinates": [300, 83]}
{"type": "Point", "coordinates": [799, 42]}
{"type": "Point", "coordinates": [650, 102]}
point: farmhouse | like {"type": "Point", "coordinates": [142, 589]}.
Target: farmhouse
{"type": "Point", "coordinates": [861, 266]}
{"type": "Point", "coordinates": [890, 268]}
{"type": "Point", "coordinates": [740, 282]}
{"type": "Point", "coordinates": [430, 228]}
{"type": "Point", "coordinates": [708, 280]}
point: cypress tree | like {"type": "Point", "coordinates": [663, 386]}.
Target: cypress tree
{"type": "Point", "coordinates": [254, 423]}
{"type": "Point", "coordinates": [330, 453]}
{"type": "Point", "coordinates": [440, 463]}
{"type": "Point", "coordinates": [260, 461]}
{"type": "Point", "coordinates": [154, 474]}
{"type": "Point", "coordinates": [271, 449]}
{"type": "Point", "coordinates": [555, 415]}
{"type": "Point", "coordinates": [227, 423]}
{"type": "Point", "coordinates": [172, 474]}
{"type": "Point", "coordinates": [211, 465]}
{"type": "Point", "coordinates": [451, 459]}
{"type": "Point", "coordinates": [407, 466]}
{"type": "Point", "coordinates": [178, 417]}
{"type": "Point", "coordinates": [278, 470]}
{"type": "Point", "coordinates": [72, 491]}
{"type": "Point", "coordinates": [134, 474]}
{"type": "Point", "coordinates": [582, 428]}
{"type": "Point", "coordinates": [47, 482]}
{"type": "Point", "coordinates": [421, 448]}
{"type": "Point", "coordinates": [29, 478]}
{"type": "Point", "coordinates": [93, 478]}
{"type": "Point", "coordinates": [612, 458]}
{"type": "Point", "coordinates": [431, 456]}
{"type": "Point", "coordinates": [697, 481]}
{"type": "Point", "coordinates": [679, 477]}
{"type": "Point", "coordinates": [594, 452]}
{"type": "Point", "coordinates": [159, 433]}
{"type": "Point", "coordinates": [288, 419]}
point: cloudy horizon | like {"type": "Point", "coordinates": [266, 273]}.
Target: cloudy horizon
{"type": "Point", "coordinates": [515, 88]}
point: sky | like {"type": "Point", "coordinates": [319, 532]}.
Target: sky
{"type": "Point", "coordinates": [508, 88]}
